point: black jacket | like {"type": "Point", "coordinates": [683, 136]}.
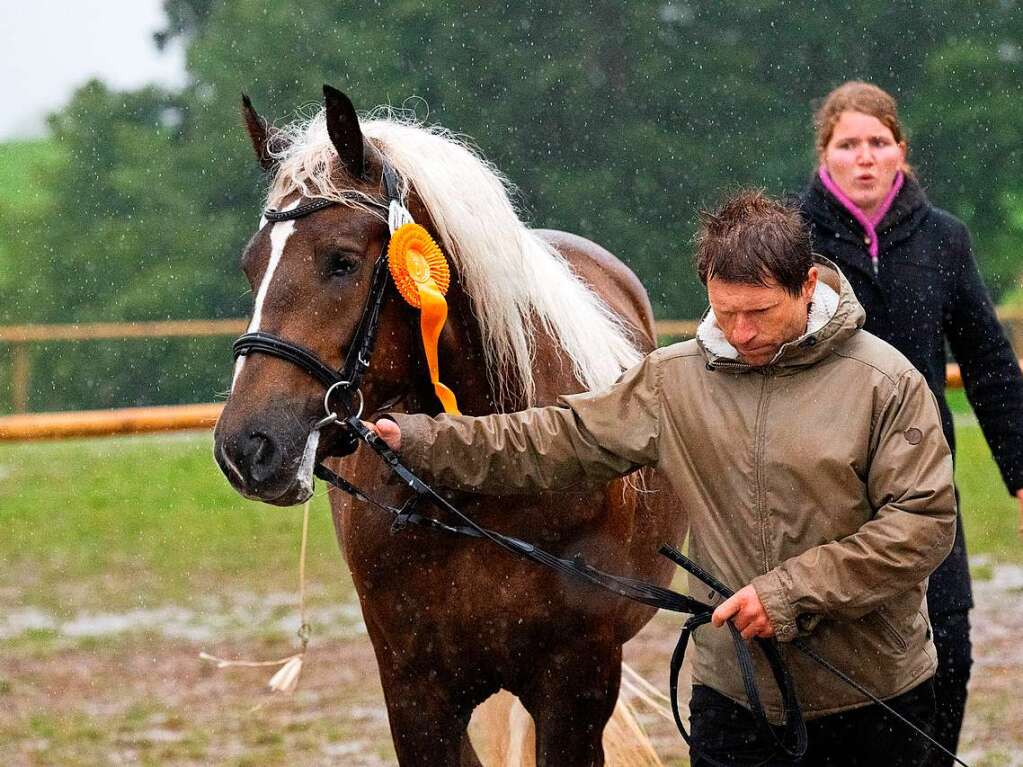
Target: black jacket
{"type": "Point", "coordinates": [927, 291]}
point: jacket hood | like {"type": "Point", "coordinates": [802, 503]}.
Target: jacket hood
{"type": "Point", "coordinates": [835, 315]}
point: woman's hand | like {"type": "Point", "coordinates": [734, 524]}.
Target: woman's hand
{"type": "Point", "coordinates": [388, 431]}
{"type": "Point", "coordinates": [746, 611]}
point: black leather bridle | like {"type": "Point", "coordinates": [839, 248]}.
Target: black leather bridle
{"type": "Point", "coordinates": [343, 383]}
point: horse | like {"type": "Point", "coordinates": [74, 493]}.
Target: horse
{"type": "Point", "coordinates": [532, 314]}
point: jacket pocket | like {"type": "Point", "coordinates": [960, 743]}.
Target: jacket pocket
{"type": "Point", "coordinates": [889, 630]}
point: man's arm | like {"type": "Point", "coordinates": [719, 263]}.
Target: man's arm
{"type": "Point", "coordinates": [585, 439]}
{"type": "Point", "coordinates": [909, 482]}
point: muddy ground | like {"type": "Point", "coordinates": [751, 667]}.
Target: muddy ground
{"type": "Point", "coordinates": [129, 689]}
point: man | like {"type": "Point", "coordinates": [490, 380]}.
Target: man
{"type": "Point", "coordinates": [810, 458]}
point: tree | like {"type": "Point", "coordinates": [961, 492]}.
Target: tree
{"type": "Point", "coordinates": [615, 120]}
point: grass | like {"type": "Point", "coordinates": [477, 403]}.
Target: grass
{"type": "Point", "coordinates": [990, 514]}
{"type": "Point", "coordinates": [20, 164]}
{"type": "Point", "coordinates": [131, 522]}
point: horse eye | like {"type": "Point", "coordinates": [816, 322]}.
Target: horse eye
{"type": "Point", "coordinates": [341, 264]}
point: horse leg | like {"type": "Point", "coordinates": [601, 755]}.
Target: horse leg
{"type": "Point", "coordinates": [571, 702]}
{"type": "Point", "coordinates": [426, 726]}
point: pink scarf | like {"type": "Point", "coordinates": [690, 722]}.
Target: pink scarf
{"type": "Point", "coordinates": [869, 224]}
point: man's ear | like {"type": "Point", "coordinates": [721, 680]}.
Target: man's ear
{"type": "Point", "coordinates": [811, 283]}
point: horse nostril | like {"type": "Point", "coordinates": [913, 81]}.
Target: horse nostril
{"type": "Point", "coordinates": [261, 459]}
{"type": "Point", "coordinates": [264, 449]}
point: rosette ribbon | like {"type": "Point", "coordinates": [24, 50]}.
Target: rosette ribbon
{"type": "Point", "coordinates": [421, 274]}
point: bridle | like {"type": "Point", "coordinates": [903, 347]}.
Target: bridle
{"type": "Point", "coordinates": [344, 385]}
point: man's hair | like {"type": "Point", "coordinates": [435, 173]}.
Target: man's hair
{"type": "Point", "coordinates": [754, 239]}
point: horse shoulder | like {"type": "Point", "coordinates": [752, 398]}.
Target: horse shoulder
{"type": "Point", "coordinates": [609, 277]}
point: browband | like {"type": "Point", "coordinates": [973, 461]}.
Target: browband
{"type": "Point", "coordinates": [390, 188]}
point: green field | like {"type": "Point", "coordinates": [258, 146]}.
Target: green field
{"type": "Point", "coordinates": [20, 164]}
{"type": "Point", "coordinates": [115, 523]}
{"type": "Point", "coordinates": [151, 519]}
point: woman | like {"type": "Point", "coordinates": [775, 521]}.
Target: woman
{"type": "Point", "coordinates": [911, 267]}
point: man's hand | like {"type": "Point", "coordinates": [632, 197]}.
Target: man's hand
{"type": "Point", "coordinates": [388, 431]}
{"type": "Point", "coordinates": [745, 610]}
{"type": "Point", "coordinates": [1019, 496]}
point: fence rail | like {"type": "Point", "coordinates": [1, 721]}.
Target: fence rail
{"type": "Point", "coordinates": [105, 423]}
{"type": "Point", "coordinates": [20, 337]}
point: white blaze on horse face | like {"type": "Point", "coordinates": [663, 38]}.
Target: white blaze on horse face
{"type": "Point", "coordinates": [278, 239]}
{"type": "Point", "coordinates": [304, 474]}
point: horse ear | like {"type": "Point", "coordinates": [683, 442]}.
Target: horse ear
{"type": "Point", "coordinates": [345, 133]}
{"type": "Point", "coordinates": [264, 138]}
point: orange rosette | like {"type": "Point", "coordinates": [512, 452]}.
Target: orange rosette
{"type": "Point", "coordinates": [421, 275]}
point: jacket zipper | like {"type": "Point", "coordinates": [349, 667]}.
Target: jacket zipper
{"type": "Point", "coordinates": [759, 431]}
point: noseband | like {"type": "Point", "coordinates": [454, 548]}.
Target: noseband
{"type": "Point", "coordinates": [344, 382]}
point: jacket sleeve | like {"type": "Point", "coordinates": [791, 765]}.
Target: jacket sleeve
{"type": "Point", "coordinates": [909, 483]}
{"type": "Point", "coordinates": [583, 440]}
{"type": "Point", "coordinates": [991, 373]}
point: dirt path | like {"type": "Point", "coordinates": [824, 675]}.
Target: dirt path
{"type": "Point", "coordinates": [129, 693]}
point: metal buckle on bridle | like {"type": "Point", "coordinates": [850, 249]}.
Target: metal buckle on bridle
{"type": "Point", "coordinates": [331, 414]}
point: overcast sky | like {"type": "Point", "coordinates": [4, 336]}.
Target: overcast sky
{"type": "Point", "coordinates": [49, 47]}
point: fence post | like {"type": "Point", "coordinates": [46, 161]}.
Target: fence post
{"type": "Point", "coordinates": [20, 364]}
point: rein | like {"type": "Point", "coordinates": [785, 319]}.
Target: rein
{"type": "Point", "coordinates": [794, 742]}
{"type": "Point", "coordinates": [345, 384]}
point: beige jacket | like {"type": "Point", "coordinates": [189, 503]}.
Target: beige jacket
{"type": "Point", "coordinates": [823, 479]}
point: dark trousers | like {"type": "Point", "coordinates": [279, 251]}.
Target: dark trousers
{"type": "Point", "coordinates": [727, 732]}
{"type": "Point", "coordinates": [955, 658]}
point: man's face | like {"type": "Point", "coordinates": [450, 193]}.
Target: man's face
{"type": "Point", "coordinates": [758, 319]}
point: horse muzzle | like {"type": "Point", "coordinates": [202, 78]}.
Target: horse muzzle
{"type": "Point", "coordinates": [262, 467]}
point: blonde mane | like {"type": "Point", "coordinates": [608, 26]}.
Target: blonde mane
{"type": "Point", "coordinates": [516, 281]}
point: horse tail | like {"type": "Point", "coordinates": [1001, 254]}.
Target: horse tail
{"type": "Point", "coordinates": [626, 743]}
{"type": "Point", "coordinates": [503, 735]}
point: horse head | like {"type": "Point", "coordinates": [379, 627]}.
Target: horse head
{"type": "Point", "coordinates": [312, 277]}
{"type": "Point", "coordinates": [523, 326]}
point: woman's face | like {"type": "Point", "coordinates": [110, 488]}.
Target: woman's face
{"type": "Point", "coordinates": [863, 159]}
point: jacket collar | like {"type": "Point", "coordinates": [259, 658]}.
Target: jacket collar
{"type": "Point", "coordinates": [835, 315]}
{"type": "Point", "coordinates": [830, 218]}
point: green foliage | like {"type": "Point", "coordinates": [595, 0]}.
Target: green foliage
{"type": "Point", "coordinates": [615, 120]}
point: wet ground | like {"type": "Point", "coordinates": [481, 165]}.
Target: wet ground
{"type": "Point", "coordinates": [128, 687]}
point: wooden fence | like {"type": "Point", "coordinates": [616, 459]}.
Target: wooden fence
{"type": "Point", "coordinates": [18, 338]}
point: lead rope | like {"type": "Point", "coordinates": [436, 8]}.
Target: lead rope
{"type": "Point", "coordinates": [285, 679]}
{"type": "Point", "coordinates": [631, 589]}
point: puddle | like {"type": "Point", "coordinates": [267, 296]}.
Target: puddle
{"type": "Point", "coordinates": [243, 615]}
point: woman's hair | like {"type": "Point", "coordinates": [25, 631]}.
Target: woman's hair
{"type": "Point", "coordinates": [856, 96]}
